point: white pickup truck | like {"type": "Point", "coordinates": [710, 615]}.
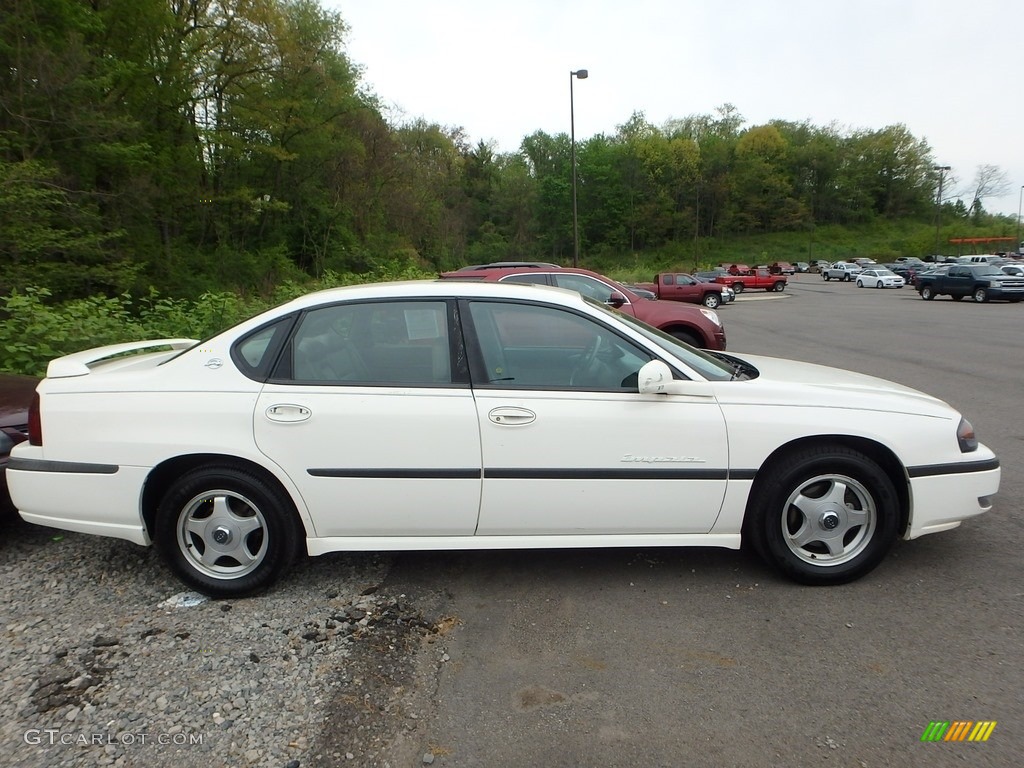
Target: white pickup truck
{"type": "Point", "coordinates": [841, 270]}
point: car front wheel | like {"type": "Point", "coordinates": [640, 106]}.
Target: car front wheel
{"type": "Point", "coordinates": [824, 515]}
{"type": "Point", "coordinates": [878, 284]}
{"type": "Point", "coordinates": [712, 300]}
{"type": "Point", "coordinates": [226, 532]}
{"type": "Point", "coordinates": [779, 286]}
{"type": "Point", "coordinates": [927, 293]}
{"type": "Point", "coordinates": [980, 295]}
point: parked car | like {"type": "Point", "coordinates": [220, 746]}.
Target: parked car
{"type": "Point", "coordinates": [1016, 270]}
{"type": "Point", "coordinates": [758, 278]}
{"type": "Point", "coordinates": [781, 268]}
{"type": "Point", "coordinates": [699, 326]}
{"type": "Point", "coordinates": [640, 291]}
{"type": "Point", "coordinates": [802, 266]}
{"type": "Point", "coordinates": [864, 262]}
{"type": "Point", "coordinates": [728, 294]}
{"type": "Point", "coordinates": [841, 270]}
{"type": "Point", "coordinates": [879, 278]}
{"type": "Point", "coordinates": [679, 286]}
{"type": "Point", "coordinates": [477, 415]}
{"type": "Point", "coordinates": [15, 398]}
{"type": "Point", "coordinates": [981, 282]}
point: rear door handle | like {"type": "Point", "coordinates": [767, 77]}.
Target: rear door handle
{"type": "Point", "coordinates": [288, 413]}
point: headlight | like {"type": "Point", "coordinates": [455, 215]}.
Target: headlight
{"type": "Point", "coordinates": [711, 315]}
{"type": "Point", "coordinates": [965, 437]}
{"type": "Point", "coordinates": [995, 283]}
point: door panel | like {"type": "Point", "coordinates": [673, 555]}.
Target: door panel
{"type": "Point", "coordinates": [588, 455]}
{"type": "Point", "coordinates": [366, 419]}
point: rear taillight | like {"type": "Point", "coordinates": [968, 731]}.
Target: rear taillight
{"type": "Point", "coordinates": [35, 423]}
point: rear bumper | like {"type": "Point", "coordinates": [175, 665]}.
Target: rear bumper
{"type": "Point", "coordinates": [87, 498]}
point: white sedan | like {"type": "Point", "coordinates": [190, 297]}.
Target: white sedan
{"type": "Point", "coordinates": [878, 277]}
{"type": "Point", "coordinates": [479, 415]}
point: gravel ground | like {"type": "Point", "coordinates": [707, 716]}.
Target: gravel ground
{"type": "Point", "coordinates": [107, 660]}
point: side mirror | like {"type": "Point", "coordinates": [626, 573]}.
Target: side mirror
{"type": "Point", "coordinates": [616, 299]}
{"type": "Point", "coordinates": [653, 378]}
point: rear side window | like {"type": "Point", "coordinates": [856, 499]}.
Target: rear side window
{"type": "Point", "coordinates": [255, 353]}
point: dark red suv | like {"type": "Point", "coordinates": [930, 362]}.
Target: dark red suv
{"type": "Point", "coordinates": [697, 326]}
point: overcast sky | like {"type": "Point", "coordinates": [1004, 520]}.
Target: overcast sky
{"type": "Point", "coordinates": [499, 69]}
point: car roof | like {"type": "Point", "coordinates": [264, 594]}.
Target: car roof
{"type": "Point", "coordinates": [419, 289]}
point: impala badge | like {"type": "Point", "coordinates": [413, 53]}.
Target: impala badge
{"type": "Point", "coordinates": [214, 363]}
{"type": "Point", "coordinates": [630, 458]}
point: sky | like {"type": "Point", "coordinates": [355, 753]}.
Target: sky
{"type": "Point", "coordinates": [500, 69]}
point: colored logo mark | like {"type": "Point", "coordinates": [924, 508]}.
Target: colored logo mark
{"type": "Point", "coordinates": [958, 730]}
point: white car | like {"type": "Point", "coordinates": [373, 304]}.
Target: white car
{"type": "Point", "coordinates": [879, 277]}
{"type": "Point", "coordinates": [439, 415]}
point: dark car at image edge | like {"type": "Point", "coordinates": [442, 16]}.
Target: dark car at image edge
{"type": "Point", "coordinates": [15, 397]}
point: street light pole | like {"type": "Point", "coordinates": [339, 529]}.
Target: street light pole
{"type": "Point", "coordinates": [582, 75]}
{"type": "Point", "coordinates": [1019, 201]}
{"type": "Point", "coordinates": [938, 204]}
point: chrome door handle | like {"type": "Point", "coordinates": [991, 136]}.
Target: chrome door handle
{"type": "Point", "coordinates": [510, 416]}
{"type": "Point", "coordinates": [288, 413]}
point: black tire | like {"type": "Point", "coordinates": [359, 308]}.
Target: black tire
{"type": "Point", "coordinates": [779, 286]}
{"type": "Point", "coordinates": [860, 284]}
{"type": "Point", "coordinates": [738, 287]}
{"type": "Point", "coordinates": [847, 277]}
{"type": "Point", "coordinates": [927, 293]}
{"type": "Point", "coordinates": [712, 300]}
{"type": "Point", "coordinates": [250, 522]}
{"type": "Point", "coordinates": [686, 336]}
{"type": "Point", "coordinates": [878, 284]}
{"type": "Point", "coordinates": [824, 515]}
{"type": "Point", "coordinates": [980, 295]}
{"type": "Point", "coordinates": [826, 275]}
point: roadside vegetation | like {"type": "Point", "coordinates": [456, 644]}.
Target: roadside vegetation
{"type": "Point", "coordinates": [167, 168]}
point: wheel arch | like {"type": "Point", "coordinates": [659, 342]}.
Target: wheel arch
{"type": "Point", "coordinates": [882, 455]}
{"type": "Point", "coordinates": [169, 470]}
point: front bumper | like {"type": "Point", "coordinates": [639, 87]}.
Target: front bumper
{"type": "Point", "coordinates": [943, 498]}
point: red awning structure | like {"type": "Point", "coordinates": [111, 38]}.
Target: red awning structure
{"type": "Point", "coordinates": [979, 240]}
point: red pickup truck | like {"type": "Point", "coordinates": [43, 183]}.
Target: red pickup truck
{"type": "Point", "coordinates": [756, 278]}
{"type": "Point", "coordinates": [678, 286]}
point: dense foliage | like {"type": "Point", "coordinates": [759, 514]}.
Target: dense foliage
{"type": "Point", "coordinates": [206, 146]}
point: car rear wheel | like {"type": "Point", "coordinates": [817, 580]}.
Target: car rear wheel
{"type": "Point", "coordinates": [226, 532]}
{"type": "Point", "coordinates": [927, 293]}
{"type": "Point", "coordinates": [846, 277]}
{"type": "Point", "coordinates": [824, 515]}
{"type": "Point", "coordinates": [980, 295]}
{"type": "Point", "coordinates": [738, 288]}
{"type": "Point", "coordinates": [712, 300]}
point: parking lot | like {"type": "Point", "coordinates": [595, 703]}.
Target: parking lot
{"type": "Point", "coordinates": [563, 658]}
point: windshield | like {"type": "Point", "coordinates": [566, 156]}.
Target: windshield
{"type": "Point", "coordinates": [700, 360]}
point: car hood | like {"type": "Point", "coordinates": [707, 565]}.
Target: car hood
{"type": "Point", "coordinates": [811, 384]}
{"type": "Point", "coordinates": [15, 397]}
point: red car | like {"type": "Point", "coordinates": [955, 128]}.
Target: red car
{"type": "Point", "coordinates": [15, 398]}
{"type": "Point", "coordinates": [697, 326]}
